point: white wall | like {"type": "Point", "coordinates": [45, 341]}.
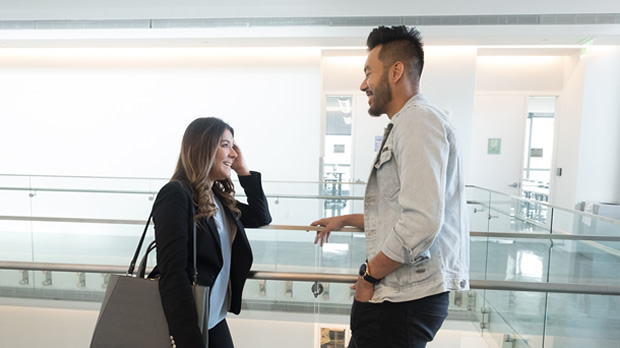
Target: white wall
{"type": "Point", "coordinates": [448, 81]}
{"type": "Point", "coordinates": [122, 112]}
{"type": "Point", "coordinates": [587, 147]}
{"type": "Point", "coordinates": [599, 153]}
{"type": "Point", "coordinates": [498, 117]}
{"type": "Point", "coordinates": [519, 74]}
{"type": "Point", "coordinates": [567, 134]}
{"type": "Point", "coordinates": [503, 85]}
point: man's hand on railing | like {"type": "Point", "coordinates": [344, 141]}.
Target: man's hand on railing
{"type": "Point", "coordinates": [336, 223]}
{"type": "Point", "coordinates": [329, 225]}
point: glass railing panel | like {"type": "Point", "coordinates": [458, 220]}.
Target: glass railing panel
{"type": "Point", "coordinates": [305, 210]}
{"type": "Point", "coordinates": [14, 281]}
{"type": "Point", "coordinates": [84, 183]}
{"type": "Point", "coordinates": [510, 214]}
{"type": "Point", "coordinates": [476, 308]}
{"type": "Point", "coordinates": [478, 207]}
{"type": "Point", "coordinates": [73, 286]}
{"type": "Point", "coordinates": [502, 211]}
{"type": "Point", "coordinates": [70, 242]}
{"type": "Point", "coordinates": [293, 211]}
{"type": "Point", "coordinates": [579, 320]}
{"type": "Point", "coordinates": [344, 253]}
{"type": "Point", "coordinates": [585, 262]}
{"type": "Point", "coordinates": [532, 210]}
{"type": "Point", "coordinates": [295, 251]}
{"type": "Point", "coordinates": [283, 250]}
{"type": "Point", "coordinates": [515, 315]}
{"type": "Point", "coordinates": [16, 240]}
{"type": "Point", "coordinates": [575, 222]}
{"type": "Point", "coordinates": [525, 260]}
{"type": "Point", "coordinates": [498, 212]}
{"type": "Point", "coordinates": [15, 203]}
{"type": "Point", "coordinates": [85, 243]}
{"type": "Point", "coordinates": [92, 205]}
{"type": "Point", "coordinates": [478, 261]}
{"type": "Point", "coordinates": [309, 188]}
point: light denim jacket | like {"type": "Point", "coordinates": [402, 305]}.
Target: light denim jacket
{"type": "Point", "coordinates": [415, 209]}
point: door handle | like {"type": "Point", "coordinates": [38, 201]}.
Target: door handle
{"type": "Point", "coordinates": [514, 184]}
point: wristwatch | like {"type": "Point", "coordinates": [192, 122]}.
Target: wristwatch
{"type": "Point", "coordinates": [367, 277]}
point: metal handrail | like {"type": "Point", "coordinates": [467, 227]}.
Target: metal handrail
{"type": "Point", "coordinates": [268, 195]}
{"type": "Point", "coordinates": [503, 285]}
{"type": "Point", "coordinates": [357, 182]}
{"type": "Point", "coordinates": [524, 235]}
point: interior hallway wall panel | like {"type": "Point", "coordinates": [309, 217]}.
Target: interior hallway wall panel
{"type": "Point", "coordinates": [122, 112]}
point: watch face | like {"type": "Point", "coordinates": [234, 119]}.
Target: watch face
{"type": "Point", "coordinates": [363, 269]}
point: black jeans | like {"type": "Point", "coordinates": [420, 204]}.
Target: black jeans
{"type": "Point", "coordinates": [409, 324]}
{"type": "Point", "coordinates": [219, 336]}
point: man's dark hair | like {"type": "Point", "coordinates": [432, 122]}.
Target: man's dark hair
{"type": "Point", "coordinates": [399, 43]}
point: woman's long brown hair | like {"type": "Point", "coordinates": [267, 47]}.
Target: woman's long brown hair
{"type": "Point", "coordinates": [198, 150]}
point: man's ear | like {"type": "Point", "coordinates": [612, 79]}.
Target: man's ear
{"type": "Point", "coordinates": [397, 72]}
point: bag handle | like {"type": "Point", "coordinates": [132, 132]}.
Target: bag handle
{"type": "Point", "coordinates": [132, 265]}
{"type": "Point", "coordinates": [195, 280]}
{"type": "Point", "coordinates": [142, 265]}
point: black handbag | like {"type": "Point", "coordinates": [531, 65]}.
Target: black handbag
{"type": "Point", "coordinates": [132, 315]}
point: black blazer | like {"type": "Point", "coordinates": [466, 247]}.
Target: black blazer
{"type": "Point", "coordinates": [172, 216]}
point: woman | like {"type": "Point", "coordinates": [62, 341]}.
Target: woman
{"type": "Point", "coordinates": [201, 185]}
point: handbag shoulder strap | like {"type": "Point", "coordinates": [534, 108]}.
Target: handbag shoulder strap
{"type": "Point", "coordinates": [195, 275]}
{"type": "Point", "coordinates": [132, 265]}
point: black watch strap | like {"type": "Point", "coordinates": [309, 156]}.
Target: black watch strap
{"type": "Point", "coordinates": [367, 277]}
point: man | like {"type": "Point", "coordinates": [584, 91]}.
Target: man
{"type": "Point", "coordinates": [415, 216]}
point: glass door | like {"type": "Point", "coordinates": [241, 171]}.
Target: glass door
{"type": "Point", "coordinates": [538, 150]}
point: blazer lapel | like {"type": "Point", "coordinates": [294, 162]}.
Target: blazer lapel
{"type": "Point", "coordinates": [212, 228]}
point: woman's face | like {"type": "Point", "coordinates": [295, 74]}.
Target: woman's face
{"type": "Point", "coordinates": [224, 158]}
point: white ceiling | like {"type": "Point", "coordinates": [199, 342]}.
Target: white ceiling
{"type": "Point", "coordinates": [138, 31]}
{"type": "Point", "coordinates": [151, 9]}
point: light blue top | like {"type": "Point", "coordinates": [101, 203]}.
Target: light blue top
{"type": "Point", "coordinates": [218, 305]}
{"type": "Point", "coordinates": [415, 210]}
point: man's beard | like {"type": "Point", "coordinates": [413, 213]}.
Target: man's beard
{"type": "Point", "coordinates": [381, 97]}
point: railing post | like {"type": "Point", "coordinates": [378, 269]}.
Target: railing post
{"type": "Point", "coordinates": [81, 280]}
{"type": "Point", "coordinates": [262, 288]}
{"type": "Point", "coordinates": [25, 277]}
{"type": "Point", "coordinates": [48, 278]}
{"type": "Point", "coordinates": [485, 323]}
{"type": "Point", "coordinates": [106, 280]}
{"type": "Point", "coordinates": [471, 300]}
{"type": "Point", "coordinates": [508, 341]}
{"type": "Point", "coordinates": [288, 289]}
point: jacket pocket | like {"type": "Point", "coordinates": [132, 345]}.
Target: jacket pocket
{"type": "Point", "coordinates": [384, 156]}
{"type": "Point", "coordinates": [387, 173]}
